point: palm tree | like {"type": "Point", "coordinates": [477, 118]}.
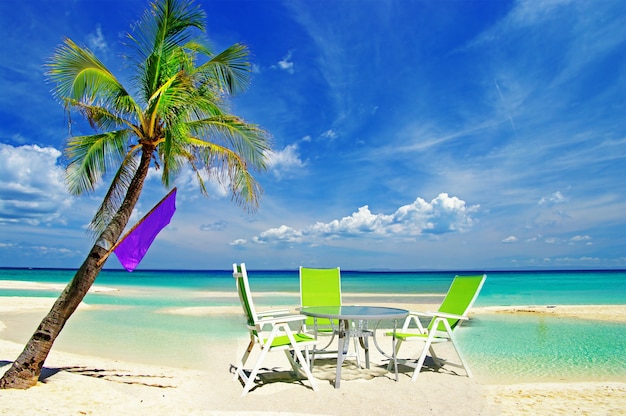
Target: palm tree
{"type": "Point", "coordinates": [176, 118]}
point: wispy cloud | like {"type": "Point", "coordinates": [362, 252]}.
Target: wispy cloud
{"type": "Point", "coordinates": [330, 134]}
{"type": "Point", "coordinates": [96, 41]}
{"type": "Point", "coordinates": [216, 226]}
{"type": "Point", "coordinates": [554, 199]}
{"type": "Point", "coordinates": [286, 64]}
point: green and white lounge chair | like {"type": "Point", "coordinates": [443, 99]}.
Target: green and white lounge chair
{"type": "Point", "coordinates": [453, 310]}
{"type": "Point", "coordinates": [322, 287]}
{"type": "Point", "coordinates": [271, 331]}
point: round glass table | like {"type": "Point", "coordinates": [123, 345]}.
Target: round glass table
{"type": "Point", "coordinates": [345, 314]}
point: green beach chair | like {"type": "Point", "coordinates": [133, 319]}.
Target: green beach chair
{"type": "Point", "coordinates": [451, 313]}
{"type": "Point", "coordinates": [322, 287]}
{"type": "Point", "coordinates": [271, 332]}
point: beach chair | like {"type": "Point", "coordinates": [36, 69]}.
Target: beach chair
{"type": "Point", "coordinates": [322, 287]}
{"type": "Point", "coordinates": [271, 332]}
{"type": "Point", "coordinates": [451, 313]}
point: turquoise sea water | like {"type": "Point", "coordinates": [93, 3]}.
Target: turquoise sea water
{"type": "Point", "coordinates": [130, 322]}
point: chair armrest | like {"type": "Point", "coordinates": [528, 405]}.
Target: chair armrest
{"type": "Point", "coordinates": [448, 315]}
{"type": "Point", "coordinates": [431, 314]}
{"type": "Point", "coordinates": [281, 319]}
{"type": "Point", "coordinates": [424, 314]}
{"type": "Point", "coordinates": [273, 312]}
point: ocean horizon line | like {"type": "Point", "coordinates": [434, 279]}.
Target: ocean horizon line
{"type": "Point", "coordinates": [371, 270]}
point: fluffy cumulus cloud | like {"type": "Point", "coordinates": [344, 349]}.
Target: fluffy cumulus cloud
{"type": "Point", "coordinates": [443, 214]}
{"type": "Point", "coordinates": [285, 160]}
{"type": "Point", "coordinates": [32, 189]}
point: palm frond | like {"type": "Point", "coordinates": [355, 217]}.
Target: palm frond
{"type": "Point", "coordinates": [165, 23]}
{"type": "Point", "coordinates": [228, 167]}
{"type": "Point", "coordinates": [230, 69]}
{"type": "Point", "coordinates": [159, 36]}
{"type": "Point", "coordinates": [174, 153]}
{"type": "Point", "coordinates": [169, 99]}
{"type": "Point", "coordinates": [80, 77]}
{"type": "Point", "coordinates": [101, 118]}
{"type": "Point", "coordinates": [116, 193]}
{"type": "Point", "coordinates": [248, 140]}
{"type": "Point", "coordinates": [90, 157]}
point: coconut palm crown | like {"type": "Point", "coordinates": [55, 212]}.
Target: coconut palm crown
{"type": "Point", "coordinates": [176, 112]}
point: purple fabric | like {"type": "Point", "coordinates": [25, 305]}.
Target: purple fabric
{"type": "Point", "coordinates": [132, 249]}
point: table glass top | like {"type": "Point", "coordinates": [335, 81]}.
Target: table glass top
{"type": "Point", "coordinates": [354, 312]}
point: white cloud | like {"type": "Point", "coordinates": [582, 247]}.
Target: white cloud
{"type": "Point", "coordinates": [443, 214]}
{"type": "Point", "coordinates": [286, 64]}
{"type": "Point", "coordinates": [32, 188]}
{"type": "Point", "coordinates": [216, 226]}
{"type": "Point", "coordinates": [330, 134]}
{"type": "Point", "coordinates": [581, 239]}
{"type": "Point", "coordinates": [238, 242]}
{"type": "Point", "coordinates": [96, 41]}
{"type": "Point", "coordinates": [283, 234]}
{"type": "Point", "coordinates": [285, 160]}
{"type": "Point", "coordinates": [556, 198]}
{"type": "Point", "coordinates": [510, 239]}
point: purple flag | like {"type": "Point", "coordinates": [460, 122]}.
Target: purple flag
{"type": "Point", "coordinates": [135, 245]}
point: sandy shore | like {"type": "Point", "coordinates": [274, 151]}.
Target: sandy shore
{"type": "Point", "coordinates": [88, 385]}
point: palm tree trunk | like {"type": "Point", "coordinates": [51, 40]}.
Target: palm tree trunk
{"type": "Point", "coordinates": [26, 369]}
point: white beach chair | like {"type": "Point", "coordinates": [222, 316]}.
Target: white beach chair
{"type": "Point", "coordinates": [453, 310]}
{"type": "Point", "coordinates": [277, 337]}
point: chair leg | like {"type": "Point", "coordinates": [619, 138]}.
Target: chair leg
{"type": "Point", "coordinates": [243, 360]}
{"type": "Point", "coordinates": [307, 357]}
{"type": "Point", "coordinates": [433, 355]}
{"type": "Point", "coordinates": [302, 364]}
{"type": "Point", "coordinates": [257, 366]}
{"type": "Point", "coordinates": [420, 362]}
{"type": "Point", "coordinates": [463, 362]}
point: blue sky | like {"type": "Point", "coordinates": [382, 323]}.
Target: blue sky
{"type": "Point", "coordinates": [406, 135]}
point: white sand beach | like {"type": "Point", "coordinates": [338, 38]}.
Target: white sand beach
{"type": "Point", "coordinates": [76, 384]}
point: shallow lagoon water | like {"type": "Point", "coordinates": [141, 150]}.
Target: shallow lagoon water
{"type": "Point", "coordinates": [129, 322]}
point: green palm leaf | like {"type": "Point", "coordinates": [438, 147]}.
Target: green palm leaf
{"type": "Point", "coordinates": [90, 157]}
{"type": "Point", "coordinates": [116, 193]}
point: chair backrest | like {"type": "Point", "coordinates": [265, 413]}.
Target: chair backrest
{"type": "Point", "coordinates": [320, 287]}
{"type": "Point", "coordinates": [243, 290]}
{"type": "Point", "coordinates": [460, 297]}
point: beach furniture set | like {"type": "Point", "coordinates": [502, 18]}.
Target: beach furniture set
{"type": "Point", "coordinates": [322, 318]}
